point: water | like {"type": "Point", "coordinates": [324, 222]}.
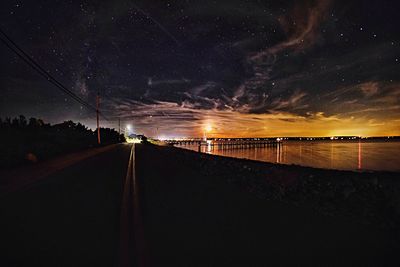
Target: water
{"type": "Point", "coordinates": [342, 155]}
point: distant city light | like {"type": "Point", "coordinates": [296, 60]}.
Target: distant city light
{"type": "Point", "coordinates": [133, 140]}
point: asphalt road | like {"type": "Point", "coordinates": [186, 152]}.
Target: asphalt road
{"type": "Point", "coordinates": [152, 209]}
{"type": "Point", "coordinates": [71, 218]}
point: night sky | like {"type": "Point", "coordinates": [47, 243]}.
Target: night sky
{"type": "Point", "coordinates": [243, 68]}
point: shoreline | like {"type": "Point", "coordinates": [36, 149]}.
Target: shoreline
{"type": "Point", "coordinates": [295, 165]}
{"type": "Point", "coordinates": [370, 197]}
{"type": "Point", "coordinates": [230, 212]}
{"type": "Point", "coordinates": [293, 155]}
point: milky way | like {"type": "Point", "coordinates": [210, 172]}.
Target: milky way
{"type": "Point", "coordinates": [248, 68]}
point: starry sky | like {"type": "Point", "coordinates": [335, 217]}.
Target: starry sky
{"type": "Point", "coordinates": [240, 68]}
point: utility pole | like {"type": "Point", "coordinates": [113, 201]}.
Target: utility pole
{"type": "Point", "coordinates": [119, 129]}
{"type": "Point", "coordinates": [119, 125]}
{"type": "Point", "coordinates": [97, 113]}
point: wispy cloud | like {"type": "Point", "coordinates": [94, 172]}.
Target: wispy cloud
{"type": "Point", "coordinates": [171, 119]}
{"type": "Point", "coordinates": [369, 89]}
{"type": "Point", "coordinates": [153, 82]}
{"type": "Point", "coordinates": [301, 26]}
{"type": "Point", "coordinates": [293, 102]}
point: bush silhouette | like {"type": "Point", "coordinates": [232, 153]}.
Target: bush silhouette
{"type": "Point", "coordinates": [23, 141]}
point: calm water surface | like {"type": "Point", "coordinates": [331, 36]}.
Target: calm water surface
{"type": "Point", "coordinates": [359, 155]}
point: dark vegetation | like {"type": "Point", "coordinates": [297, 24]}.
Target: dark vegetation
{"type": "Point", "coordinates": [26, 141]}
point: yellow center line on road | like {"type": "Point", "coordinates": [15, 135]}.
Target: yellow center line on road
{"type": "Point", "coordinates": [132, 242]}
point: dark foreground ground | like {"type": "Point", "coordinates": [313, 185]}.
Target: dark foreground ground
{"type": "Point", "coordinates": [71, 218]}
{"type": "Point", "coordinates": [201, 210]}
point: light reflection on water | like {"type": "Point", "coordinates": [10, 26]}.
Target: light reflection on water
{"type": "Point", "coordinates": [359, 155]}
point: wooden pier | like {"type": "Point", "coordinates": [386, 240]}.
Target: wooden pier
{"type": "Point", "coordinates": [227, 143]}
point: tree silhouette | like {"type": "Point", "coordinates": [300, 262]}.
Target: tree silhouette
{"type": "Point", "coordinates": [20, 137]}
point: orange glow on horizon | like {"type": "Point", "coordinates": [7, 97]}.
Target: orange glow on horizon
{"type": "Point", "coordinates": [289, 125]}
{"type": "Point", "coordinates": [234, 124]}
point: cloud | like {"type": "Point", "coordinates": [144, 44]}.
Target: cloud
{"type": "Point", "coordinates": [292, 103]}
{"type": "Point", "coordinates": [151, 82]}
{"type": "Point", "coordinates": [389, 95]}
{"type": "Point", "coordinates": [171, 120]}
{"type": "Point", "coordinates": [198, 90]}
{"type": "Point", "coordinates": [369, 89]}
{"type": "Point", "coordinates": [256, 93]}
{"type": "Point", "coordinates": [301, 26]}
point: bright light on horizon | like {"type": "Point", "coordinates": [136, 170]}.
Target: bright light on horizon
{"type": "Point", "coordinates": [208, 128]}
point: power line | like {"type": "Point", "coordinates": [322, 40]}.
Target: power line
{"type": "Point", "coordinates": [39, 71]}
{"type": "Point", "coordinates": [27, 59]}
{"type": "Point", "coordinates": [36, 66]}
